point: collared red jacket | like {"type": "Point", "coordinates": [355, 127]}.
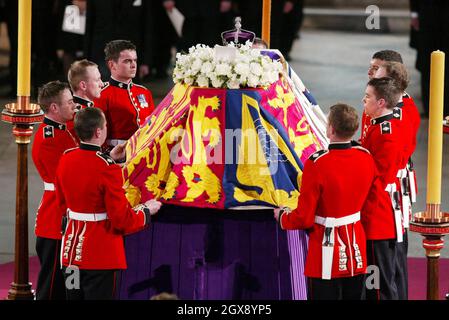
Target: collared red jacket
{"type": "Point", "coordinates": [89, 182]}
{"type": "Point", "coordinates": [50, 142]}
{"type": "Point", "coordinates": [384, 140]}
{"type": "Point", "coordinates": [80, 104]}
{"type": "Point", "coordinates": [335, 184]}
{"type": "Point", "coordinates": [126, 107]}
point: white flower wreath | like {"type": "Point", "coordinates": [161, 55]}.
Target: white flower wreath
{"type": "Point", "coordinates": [248, 68]}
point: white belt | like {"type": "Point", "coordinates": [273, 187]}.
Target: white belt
{"type": "Point", "coordinates": [337, 222]}
{"type": "Point", "coordinates": [84, 216]}
{"type": "Point", "coordinates": [114, 142]}
{"type": "Point", "coordinates": [49, 186]}
{"type": "Point", "coordinates": [327, 248]}
{"type": "Point", "coordinates": [391, 189]}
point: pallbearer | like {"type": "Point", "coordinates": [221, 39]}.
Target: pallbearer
{"type": "Point", "coordinates": [85, 81]}
{"type": "Point", "coordinates": [383, 226]}
{"type": "Point", "coordinates": [125, 104]}
{"type": "Point", "coordinates": [52, 139]}
{"type": "Point", "coordinates": [408, 115]}
{"type": "Point", "coordinates": [330, 206]}
{"type": "Point", "coordinates": [90, 194]}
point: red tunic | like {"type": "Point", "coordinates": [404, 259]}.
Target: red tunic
{"type": "Point", "coordinates": [50, 142]}
{"type": "Point", "coordinates": [385, 142]}
{"type": "Point", "coordinates": [90, 182]}
{"type": "Point", "coordinates": [80, 104]}
{"type": "Point", "coordinates": [335, 183]}
{"type": "Point", "coordinates": [410, 118]}
{"type": "Point", "coordinates": [410, 114]}
{"type": "Point", "coordinates": [126, 107]}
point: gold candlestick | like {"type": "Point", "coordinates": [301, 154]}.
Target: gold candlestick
{"type": "Point", "coordinates": [433, 224]}
{"type": "Point", "coordinates": [266, 21]}
{"type": "Point", "coordinates": [22, 115]}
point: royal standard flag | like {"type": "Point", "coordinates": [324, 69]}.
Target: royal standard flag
{"type": "Point", "coordinates": [222, 148]}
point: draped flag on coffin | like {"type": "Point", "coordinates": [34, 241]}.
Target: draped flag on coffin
{"type": "Point", "coordinates": [221, 148]}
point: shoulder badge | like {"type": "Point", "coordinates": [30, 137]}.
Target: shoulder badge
{"type": "Point", "coordinates": [105, 158]}
{"type": "Point", "coordinates": [49, 132]}
{"type": "Point", "coordinates": [140, 86]}
{"type": "Point", "coordinates": [385, 127]}
{"type": "Point", "coordinates": [314, 157]}
{"type": "Point", "coordinates": [70, 150]}
{"type": "Point", "coordinates": [397, 113]}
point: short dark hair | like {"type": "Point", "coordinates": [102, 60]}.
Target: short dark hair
{"type": "Point", "coordinates": [77, 72]}
{"type": "Point", "coordinates": [398, 72]}
{"type": "Point", "coordinates": [114, 47]}
{"type": "Point", "coordinates": [88, 120]}
{"type": "Point", "coordinates": [51, 93]}
{"type": "Point", "coordinates": [344, 119]}
{"type": "Point", "coordinates": [388, 55]}
{"type": "Point", "coordinates": [386, 88]}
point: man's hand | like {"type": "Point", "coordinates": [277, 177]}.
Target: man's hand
{"type": "Point", "coordinates": [169, 5]}
{"type": "Point", "coordinates": [277, 212]}
{"type": "Point", "coordinates": [225, 6]}
{"type": "Point", "coordinates": [118, 152]}
{"type": "Point", "coordinates": [153, 205]}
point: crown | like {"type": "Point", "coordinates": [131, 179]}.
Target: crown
{"type": "Point", "coordinates": [237, 35]}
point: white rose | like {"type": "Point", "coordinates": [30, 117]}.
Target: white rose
{"type": "Point", "coordinates": [255, 53]}
{"type": "Point", "coordinates": [253, 81]}
{"type": "Point", "coordinates": [206, 68]}
{"type": "Point", "coordinates": [242, 69]}
{"type": "Point", "coordinates": [217, 82]}
{"type": "Point", "coordinates": [188, 81]}
{"type": "Point", "coordinates": [202, 81]}
{"type": "Point", "coordinates": [273, 76]}
{"type": "Point", "coordinates": [223, 69]}
{"type": "Point", "coordinates": [196, 66]}
{"type": "Point", "coordinates": [256, 69]}
{"type": "Point", "coordinates": [233, 82]}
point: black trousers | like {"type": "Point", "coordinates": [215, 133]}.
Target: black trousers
{"type": "Point", "coordinates": [50, 281]}
{"type": "Point", "coordinates": [350, 288]}
{"type": "Point", "coordinates": [383, 255]}
{"type": "Point", "coordinates": [90, 284]}
{"type": "Point", "coordinates": [401, 268]}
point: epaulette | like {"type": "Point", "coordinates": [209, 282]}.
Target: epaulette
{"type": "Point", "coordinates": [314, 157]}
{"type": "Point", "coordinates": [49, 132]}
{"type": "Point", "coordinates": [361, 149]}
{"type": "Point", "coordinates": [397, 113]}
{"type": "Point", "coordinates": [105, 158]}
{"type": "Point", "coordinates": [140, 86]}
{"type": "Point", "coordinates": [106, 84]}
{"type": "Point", "coordinates": [385, 127]}
{"type": "Point", "coordinates": [70, 150]}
